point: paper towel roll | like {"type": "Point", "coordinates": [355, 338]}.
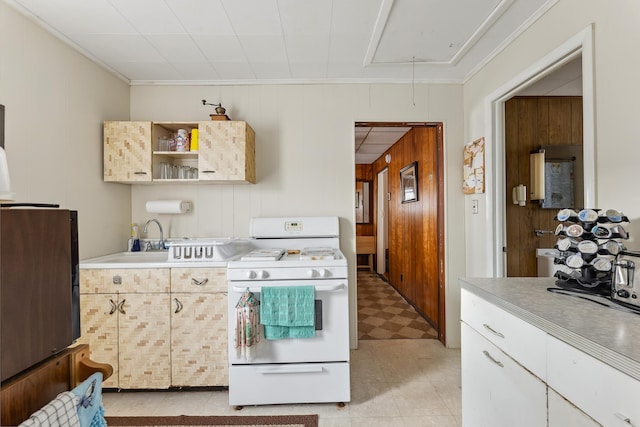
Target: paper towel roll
{"type": "Point", "coordinates": [168, 206]}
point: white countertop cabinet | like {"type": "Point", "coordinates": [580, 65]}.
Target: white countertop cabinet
{"type": "Point", "coordinates": [586, 356]}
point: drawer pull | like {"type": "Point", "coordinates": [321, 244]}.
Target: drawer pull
{"type": "Point", "coordinates": [178, 305]}
{"type": "Point", "coordinates": [290, 370]}
{"type": "Point", "coordinates": [623, 418]}
{"type": "Point", "coordinates": [497, 362]}
{"type": "Point", "coordinates": [493, 331]}
{"type": "Point", "coordinates": [199, 283]}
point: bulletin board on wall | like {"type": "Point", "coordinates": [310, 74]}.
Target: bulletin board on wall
{"type": "Point", "coordinates": [473, 167]}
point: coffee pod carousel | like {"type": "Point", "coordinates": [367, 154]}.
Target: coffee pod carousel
{"type": "Point", "coordinates": [588, 242]}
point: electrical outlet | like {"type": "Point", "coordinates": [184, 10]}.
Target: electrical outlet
{"type": "Point", "coordinates": [474, 206]}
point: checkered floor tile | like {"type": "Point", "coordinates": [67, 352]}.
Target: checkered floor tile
{"type": "Point", "coordinates": [384, 314]}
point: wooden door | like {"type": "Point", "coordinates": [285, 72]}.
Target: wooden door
{"type": "Point", "coordinates": [532, 122]}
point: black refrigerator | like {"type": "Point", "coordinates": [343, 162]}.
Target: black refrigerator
{"type": "Point", "coordinates": [39, 285]}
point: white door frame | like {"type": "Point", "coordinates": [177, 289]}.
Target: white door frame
{"type": "Point", "coordinates": [382, 225]}
{"type": "Point", "coordinates": [579, 45]}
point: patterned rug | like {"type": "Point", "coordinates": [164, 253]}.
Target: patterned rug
{"type": "Point", "coordinates": [221, 421]}
{"type": "Point", "coordinates": [384, 314]}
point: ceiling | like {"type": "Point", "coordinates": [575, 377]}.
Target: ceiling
{"type": "Point", "coordinates": [286, 41]}
{"type": "Point", "coordinates": [215, 42]}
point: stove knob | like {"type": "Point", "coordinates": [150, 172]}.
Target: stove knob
{"type": "Point", "coordinates": [311, 272]}
{"type": "Point", "coordinates": [324, 272]}
{"type": "Point", "coordinates": [623, 294]}
{"type": "Point", "coordinates": [263, 274]}
{"type": "Point", "coordinates": [251, 274]}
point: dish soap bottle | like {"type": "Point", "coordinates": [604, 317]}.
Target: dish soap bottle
{"type": "Point", "coordinates": [135, 245]}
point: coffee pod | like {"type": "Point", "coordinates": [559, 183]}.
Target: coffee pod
{"type": "Point", "coordinates": [588, 215]}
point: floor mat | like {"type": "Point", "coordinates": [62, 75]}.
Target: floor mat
{"type": "Point", "coordinates": [183, 421]}
{"type": "Point", "coordinates": [384, 314]}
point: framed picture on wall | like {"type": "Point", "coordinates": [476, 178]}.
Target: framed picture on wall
{"type": "Point", "coordinates": [409, 183]}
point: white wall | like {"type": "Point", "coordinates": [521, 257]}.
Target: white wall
{"type": "Point", "coordinates": [305, 159]}
{"type": "Point", "coordinates": [617, 88]}
{"type": "Point", "coordinates": [55, 103]}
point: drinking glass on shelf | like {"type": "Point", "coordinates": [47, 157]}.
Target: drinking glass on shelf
{"type": "Point", "coordinates": [163, 170]}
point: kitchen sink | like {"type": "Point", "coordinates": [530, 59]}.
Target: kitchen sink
{"type": "Point", "coordinates": [180, 252]}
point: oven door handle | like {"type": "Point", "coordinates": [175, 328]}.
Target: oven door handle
{"type": "Point", "coordinates": [319, 288]}
{"type": "Point", "coordinates": [290, 370]}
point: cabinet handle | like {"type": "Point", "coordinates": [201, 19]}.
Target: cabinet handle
{"type": "Point", "coordinates": [121, 306]}
{"type": "Point", "coordinates": [493, 331]}
{"type": "Point", "coordinates": [200, 283]}
{"type": "Point", "coordinates": [139, 173]}
{"type": "Point", "coordinates": [623, 417]}
{"type": "Point", "coordinates": [113, 306]}
{"type": "Point", "coordinates": [178, 305]}
{"type": "Point", "coordinates": [497, 362]}
{"type": "Point", "coordinates": [208, 171]}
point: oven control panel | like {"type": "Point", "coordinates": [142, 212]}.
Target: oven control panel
{"type": "Point", "coordinates": [291, 273]}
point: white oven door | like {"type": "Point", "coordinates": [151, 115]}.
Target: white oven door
{"type": "Point", "coordinates": [331, 340]}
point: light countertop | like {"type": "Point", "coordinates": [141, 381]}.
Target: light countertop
{"type": "Point", "coordinates": [610, 334]}
{"type": "Point", "coordinates": [146, 260]}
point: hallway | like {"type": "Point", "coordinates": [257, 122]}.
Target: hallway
{"type": "Point", "coordinates": [384, 314]}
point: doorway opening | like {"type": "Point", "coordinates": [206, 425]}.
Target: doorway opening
{"type": "Point", "coordinates": [578, 47]}
{"type": "Point", "coordinates": [407, 226]}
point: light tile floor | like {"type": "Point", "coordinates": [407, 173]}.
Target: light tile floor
{"type": "Point", "coordinates": [406, 382]}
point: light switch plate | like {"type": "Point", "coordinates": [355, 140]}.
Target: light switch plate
{"type": "Point", "coordinates": [474, 206]}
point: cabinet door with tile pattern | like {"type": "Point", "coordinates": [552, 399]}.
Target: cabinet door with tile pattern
{"type": "Point", "coordinates": [144, 341]}
{"type": "Point", "coordinates": [127, 151]}
{"type": "Point", "coordinates": [226, 151]}
{"type": "Point", "coordinates": [199, 340]}
{"type": "Point", "coordinates": [99, 321]}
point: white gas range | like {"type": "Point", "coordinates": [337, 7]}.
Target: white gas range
{"type": "Point", "coordinates": [299, 252]}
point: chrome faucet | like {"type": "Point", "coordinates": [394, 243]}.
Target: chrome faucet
{"type": "Point", "coordinates": [161, 243]}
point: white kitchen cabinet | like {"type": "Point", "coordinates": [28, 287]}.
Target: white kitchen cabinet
{"type": "Point", "coordinates": [563, 413]}
{"type": "Point", "coordinates": [132, 153]}
{"type": "Point", "coordinates": [607, 395]}
{"type": "Point", "coordinates": [125, 320]}
{"type": "Point", "coordinates": [521, 340]}
{"type": "Point", "coordinates": [199, 327]}
{"type": "Point", "coordinates": [496, 390]}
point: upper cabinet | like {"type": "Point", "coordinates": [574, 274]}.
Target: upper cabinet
{"type": "Point", "coordinates": [134, 152]}
{"type": "Point", "coordinates": [227, 151]}
{"type": "Point", "coordinates": [127, 151]}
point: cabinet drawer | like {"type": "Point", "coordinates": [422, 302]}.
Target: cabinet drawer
{"type": "Point", "coordinates": [289, 383]}
{"type": "Point", "coordinates": [563, 413]}
{"type": "Point", "coordinates": [519, 339]}
{"type": "Point", "coordinates": [496, 390]}
{"type": "Point", "coordinates": [604, 393]}
{"type": "Point", "coordinates": [199, 280]}
{"type": "Point", "coordinates": [110, 280]}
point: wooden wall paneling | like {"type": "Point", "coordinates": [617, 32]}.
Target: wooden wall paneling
{"type": "Point", "coordinates": [428, 295]}
{"type": "Point", "coordinates": [532, 122]}
{"type": "Point", "coordinates": [528, 128]}
{"type": "Point", "coordinates": [512, 166]}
